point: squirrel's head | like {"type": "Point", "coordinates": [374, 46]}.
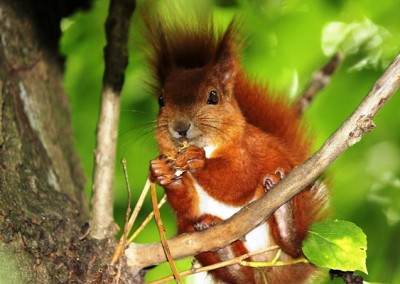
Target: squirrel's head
{"type": "Point", "coordinates": [195, 70]}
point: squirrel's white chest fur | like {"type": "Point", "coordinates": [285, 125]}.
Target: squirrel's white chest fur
{"type": "Point", "coordinates": [255, 240]}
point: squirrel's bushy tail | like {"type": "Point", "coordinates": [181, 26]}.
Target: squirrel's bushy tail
{"type": "Point", "coordinates": [273, 114]}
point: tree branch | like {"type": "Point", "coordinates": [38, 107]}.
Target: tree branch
{"type": "Point", "coordinates": [116, 58]}
{"type": "Point", "coordinates": [318, 81]}
{"type": "Point", "coordinates": [351, 131]}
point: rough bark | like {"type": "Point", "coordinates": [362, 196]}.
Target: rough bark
{"type": "Point", "coordinates": [43, 209]}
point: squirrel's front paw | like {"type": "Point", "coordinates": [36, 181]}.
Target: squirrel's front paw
{"type": "Point", "coordinates": [191, 158]}
{"type": "Point", "coordinates": [163, 172]}
{"type": "Point", "coordinates": [205, 222]}
{"type": "Point", "coordinates": [272, 179]}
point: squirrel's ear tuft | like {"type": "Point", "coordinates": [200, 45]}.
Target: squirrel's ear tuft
{"type": "Point", "coordinates": [180, 35]}
{"type": "Point", "coordinates": [226, 55]}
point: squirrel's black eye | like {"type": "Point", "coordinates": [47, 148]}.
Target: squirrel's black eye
{"type": "Point", "coordinates": [161, 101]}
{"type": "Point", "coordinates": [213, 98]}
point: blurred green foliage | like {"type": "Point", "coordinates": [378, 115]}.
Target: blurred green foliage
{"type": "Point", "coordinates": [286, 41]}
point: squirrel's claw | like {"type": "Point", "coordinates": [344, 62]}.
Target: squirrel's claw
{"type": "Point", "coordinates": [163, 173]}
{"type": "Point", "coordinates": [272, 179]}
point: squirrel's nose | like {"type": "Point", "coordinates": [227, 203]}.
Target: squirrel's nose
{"type": "Point", "coordinates": [181, 127]}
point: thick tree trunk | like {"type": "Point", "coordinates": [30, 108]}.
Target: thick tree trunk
{"type": "Point", "coordinates": [43, 209]}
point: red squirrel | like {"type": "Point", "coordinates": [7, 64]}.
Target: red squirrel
{"type": "Point", "coordinates": [224, 142]}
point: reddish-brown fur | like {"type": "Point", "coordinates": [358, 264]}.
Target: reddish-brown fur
{"type": "Point", "coordinates": [253, 133]}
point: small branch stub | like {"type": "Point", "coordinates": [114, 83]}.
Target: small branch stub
{"type": "Point", "coordinates": [364, 125]}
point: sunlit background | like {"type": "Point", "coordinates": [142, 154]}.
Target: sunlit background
{"type": "Point", "coordinates": [286, 41]}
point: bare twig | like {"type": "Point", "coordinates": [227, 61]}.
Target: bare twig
{"type": "Point", "coordinates": [319, 80]}
{"type": "Point", "coordinates": [236, 260]}
{"type": "Point", "coordinates": [129, 221]}
{"type": "Point", "coordinates": [351, 131]}
{"type": "Point", "coordinates": [161, 230]}
{"type": "Point", "coordinates": [138, 205]}
{"type": "Point", "coordinates": [259, 264]}
{"type": "Point", "coordinates": [115, 55]}
{"type": "Point", "coordinates": [147, 220]}
{"type": "Point", "coordinates": [122, 242]}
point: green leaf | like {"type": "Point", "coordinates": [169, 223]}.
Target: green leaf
{"type": "Point", "coordinates": [337, 245]}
